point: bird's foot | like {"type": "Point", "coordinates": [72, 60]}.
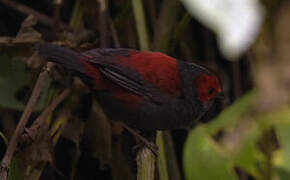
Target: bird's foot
{"type": "Point", "coordinates": [153, 147]}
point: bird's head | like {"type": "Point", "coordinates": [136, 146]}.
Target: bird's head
{"type": "Point", "coordinates": [208, 87]}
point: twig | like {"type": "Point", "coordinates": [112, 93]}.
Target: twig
{"type": "Point", "coordinates": [164, 26]}
{"type": "Point", "coordinates": [56, 15]}
{"type": "Point", "coordinates": [23, 121]}
{"type": "Point", "coordinates": [152, 11]}
{"type": "Point", "coordinates": [76, 20]}
{"type": "Point", "coordinates": [31, 133]}
{"type": "Point", "coordinates": [103, 23]}
{"type": "Point", "coordinates": [179, 31]}
{"type": "Point", "coordinates": [26, 10]}
{"type": "Point", "coordinates": [237, 79]}
{"type": "Point", "coordinates": [114, 33]}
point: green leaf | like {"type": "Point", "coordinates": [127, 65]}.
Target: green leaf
{"type": "Point", "coordinates": [231, 115]}
{"type": "Point", "coordinates": [13, 79]}
{"type": "Point", "coordinates": [283, 157]}
{"type": "Point", "coordinates": [204, 159]}
{"type": "Point", "coordinates": [282, 173]}
{"type": "Point", "coordinates": [248, 156]}
{"type": "Point", "coordinates": [280, 160]}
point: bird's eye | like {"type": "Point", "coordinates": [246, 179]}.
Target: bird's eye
{"type": "Point", "coordinates": [211, 91]}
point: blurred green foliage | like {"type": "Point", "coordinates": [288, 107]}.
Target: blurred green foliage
{"type": "Point", "coordinates": [13, 78]}
{"type": "Point", "coordinates": [15, 171]}
{"type": "Point", "coordinates": [15, 84]}
{"type": "Point", "coordinates": [233, 141]}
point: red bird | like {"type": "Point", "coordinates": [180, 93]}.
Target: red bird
{"type": "Point", "coordinates": [146, 90]}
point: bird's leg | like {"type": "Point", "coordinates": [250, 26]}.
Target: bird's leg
{"type": "Point", "coordinates": [153, 147]}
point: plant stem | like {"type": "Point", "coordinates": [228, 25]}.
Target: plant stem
{"type": "Point", "coordinates": [141, 24]}
{"type": "Point", "coordinates": [23, 121]}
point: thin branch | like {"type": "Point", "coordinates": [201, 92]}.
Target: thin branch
{"type": "Point", "coordinates": [179, 31]}
{"type": "Point", "coordinates": [152, 10]}
{"type": "Point", "coordinates": [164, 26]}
{"type": "Point", "coordinates": [23, 121]}
{"type": "Point", "coordinates": [237, 78]}
{"type": "Point", "coordinates": [103, 23]}
{"type": "Point", "coordinates": [76, 20]}
{"type": "Point", "coordinates": [26, 10]}
{"type": "Point", "coordinates": [56, 15]}
{"type": "Point", "coordinates": [114, 33]}
{"type": "Point", "coordinates": [31, 133]}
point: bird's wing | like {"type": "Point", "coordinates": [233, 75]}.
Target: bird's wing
{"type": "Point", "coordinates": [147, 74]}
{"type": "Point", "coordinates": [125, 81]}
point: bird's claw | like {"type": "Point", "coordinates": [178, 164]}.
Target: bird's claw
{"type": "Point", "coordinates": [153, 147]}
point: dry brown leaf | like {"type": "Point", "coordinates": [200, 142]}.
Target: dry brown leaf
{"type": "Point", "coordinates": [22, 44]}
{"type": "Point", "coordinates": [27, 34]}
{"type": "Point", "coordinates": [40, 150]}
{"type": "Point", "coordinates": [98, 135]}
{"type": "Point", "coordinates": [74, 130]}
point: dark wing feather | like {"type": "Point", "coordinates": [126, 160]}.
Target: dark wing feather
{"type": "Point", "coordinates": [108, 52]}
{"type": "Point", "coordinates": [124, 81]}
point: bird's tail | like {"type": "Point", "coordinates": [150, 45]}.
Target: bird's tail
{"type": "Point", "coordinates": [61, 55]}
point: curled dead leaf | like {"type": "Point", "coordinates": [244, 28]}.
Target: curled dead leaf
{"type": "Point", "coordinates": [22, 44]}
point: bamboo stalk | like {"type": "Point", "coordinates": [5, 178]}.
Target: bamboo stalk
{"type": "Point", "coordinates": [145, 164]}
{"type": "Point", "coordinates": [141, 24]}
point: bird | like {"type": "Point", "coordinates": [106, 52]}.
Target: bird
{"type": "Point", "coordinates": [144, 89]}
